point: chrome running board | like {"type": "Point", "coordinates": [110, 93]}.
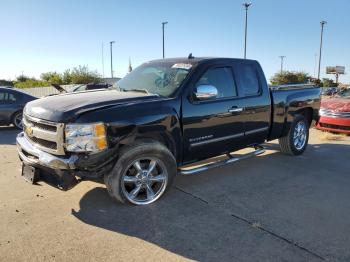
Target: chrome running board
{"type": "Point", "coordinates": [258, 151]}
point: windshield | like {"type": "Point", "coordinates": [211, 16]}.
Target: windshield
{"type": "Point", "coordinates": [345, 93]}
{"type": "Point", "coordinates": [161, 78]}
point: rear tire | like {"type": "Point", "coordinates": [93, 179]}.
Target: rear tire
{"type": "Point", "coordinates": [295, 142]}
{"type": "Point", "coordinates": [142, 174]}
{"type": "Point", "coordinates": [17, 120]}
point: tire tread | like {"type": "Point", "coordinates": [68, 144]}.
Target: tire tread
{"type": "Point", "coordinates": [286, 142]}
{"type": "Point", "coordinates": [112, 180]}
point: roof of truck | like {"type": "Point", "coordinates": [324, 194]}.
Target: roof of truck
{"type": "Point", "coordinates": [196, 60]}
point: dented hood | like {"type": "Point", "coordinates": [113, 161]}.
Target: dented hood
{"type": "Point", "coordinates": [67, 107]}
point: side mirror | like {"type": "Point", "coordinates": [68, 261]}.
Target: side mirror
{"type": "Point", "coordinates": [205, 92]}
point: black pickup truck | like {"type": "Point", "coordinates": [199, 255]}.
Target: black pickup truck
{"type": "Point", "coordinates": [163, 115]}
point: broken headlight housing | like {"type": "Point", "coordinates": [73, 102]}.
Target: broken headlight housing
{"type": "Point", "coordinates": [85, 138]}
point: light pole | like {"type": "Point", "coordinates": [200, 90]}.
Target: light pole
{"type": "Point", "coordinates": [103, 62]}
{"type": "Point", "coordinates": [111, 47]}
{"type": "Point", "coordinates": [315, 66]}
{"type": "Point", "coordinates": [246, 6]}
{"type": "Point", "coordinates": [320, 55]}
{"type": "Point", "coordinates": [282, 60]}
{"type": "Point", "coordinates": [163, 25]}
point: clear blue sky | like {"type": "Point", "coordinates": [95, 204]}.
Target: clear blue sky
{"type": "Point", "coordinates": [45, 35]}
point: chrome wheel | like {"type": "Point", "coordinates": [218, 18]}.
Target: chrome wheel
{"type": "Point", "coordinates": [18, 121]}
{"type": "Point", "coordinates": [300, 135]}
{"type": "Point", "coordinates": [144, 181]}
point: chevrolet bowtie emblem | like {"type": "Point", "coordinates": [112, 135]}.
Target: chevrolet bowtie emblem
{"type": "Point", "coordinates": [29, 131]}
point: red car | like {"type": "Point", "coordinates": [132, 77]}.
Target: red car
{"type": "Point", "coordinates": [335, 113]}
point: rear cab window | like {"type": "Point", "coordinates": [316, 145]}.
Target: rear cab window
{"type": "Point", "coordinates": [248, 79]}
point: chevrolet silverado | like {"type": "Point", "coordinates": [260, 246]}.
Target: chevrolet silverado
{"type": "Point", "coordinates": [162, 116]}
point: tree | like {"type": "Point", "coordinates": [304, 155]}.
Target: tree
{"type": "Point", "coordinates": [31, 82]}
{"type": "Point", "coordinates": [289, 77]}
{"type": "Point", "coordinates": [326, 82]}
{"type": "Point", "coordinates": [52, 77]}
{"type": "Point", "coordinates": [23, 81]}
{"type": "Point", "coordinates": [66, 77]}
{"type": "Point", "coordinates": [22, 78]}
{"type": "Point", "coordinates": [78, 75]}
{"type": "Point", "coordinates": [4, 82]}
{"type": "Point", "coordinates": [82, 75]}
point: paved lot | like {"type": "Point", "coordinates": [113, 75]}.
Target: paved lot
{"type": "Point", "coordinates": [268, 208]}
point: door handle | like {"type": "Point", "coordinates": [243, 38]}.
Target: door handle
{"type": "Point", "coordinates": [235, 110]}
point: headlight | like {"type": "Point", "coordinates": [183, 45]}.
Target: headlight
{"type": "Point", "coordinates": [86, 137]}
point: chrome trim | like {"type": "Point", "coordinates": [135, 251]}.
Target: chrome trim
{"type": "Point", "coordinates": [144, 179]}
{"type": "Point", "coordinates": [293, 86]}
{"type": "Point", "coordinates": [47, 135]}
{"type": "Point", "coordinates": [38, 157]}
{"type": "Point", "coordinates": [40, 121]}
{"type": "Point", "coordinates": [216, 139]}
{"type": "Point", "coordinates": [250, 132]}
{"type": "Point", "coordinates": [333, 114]}
{"type": "Point", "coordinates": [236, 110]}
{"type": "Point", "coordinates": [300, 135]}
{"type": "Point", "coordinates": [205, 92]}
{"type": "Point", "coordinates": [258, 151]}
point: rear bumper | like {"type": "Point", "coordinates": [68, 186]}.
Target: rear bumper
{"type": "Point", "coordinates": [33, 156]}
{"type": "Point", "coordinates": [337, 125]}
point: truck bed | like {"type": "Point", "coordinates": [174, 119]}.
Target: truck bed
{"type": "Point", "coordinates": [288, 100]}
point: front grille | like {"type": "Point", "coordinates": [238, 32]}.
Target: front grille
{"type": "Point", "coordinates": [42, 126]}
{"type": "Point", "coordinates": [44, 143]}
{"type": "Point", "coordinates": [334, 114]}
{"type": "Point", "coordinates": [46, 135]}
{"type": "Point", "coordinates": [347, 128]}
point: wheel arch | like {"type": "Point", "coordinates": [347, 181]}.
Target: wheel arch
{"type": "Point", "coordinates": [162, 138]}
{"type": "Point", "coordinates": [307, 112]}
{"type": "Point", "coordinates": [14, 113]}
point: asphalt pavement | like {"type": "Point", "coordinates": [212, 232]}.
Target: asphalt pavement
{"type": "Point", "coordinates": [268, 208]}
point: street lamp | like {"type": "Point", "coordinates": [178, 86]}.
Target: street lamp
{"type": "Point", "coordinates": [320, 55]}
{"type": "Point", "coordinates": [111, 47]}
{"type": "Point", "coordinates": [282, 60]}
{"type": "Point", "coordinates": [246, 6]}
{"type": "Point", "coordinates": [163, 25]}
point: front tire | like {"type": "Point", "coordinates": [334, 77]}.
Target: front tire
{"type": "Point", "coordinates": [142, 174]}
{"type": "Point", "coordinates": [295, 142]}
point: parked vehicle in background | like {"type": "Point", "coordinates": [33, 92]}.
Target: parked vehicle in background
{"type": "Point", "coordinates": [165, 114]}
{"type": "Point", "coordinates": [12, 102]}
{"type": "Point", "coordinates": [84, 87]}
{"type": "Point", "coordinates": [329, 91]}
{"type": "Point", "coordinates": [92, 86]}
{"type": "Point", "coordinates": [335, 113]}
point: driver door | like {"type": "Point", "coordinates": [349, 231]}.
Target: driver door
{"type": "Point", "coordinates": [214, 126]}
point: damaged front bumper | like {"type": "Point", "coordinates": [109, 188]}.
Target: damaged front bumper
{"type": "Point", "coordinates": [61, 171]}
{"type": "Point", "coordinates": [31, 155]}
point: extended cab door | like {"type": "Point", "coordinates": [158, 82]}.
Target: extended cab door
{"type": "Point", "coordinates": [212, 126]}
{"type": "Point", "coordinates": [256, 101]}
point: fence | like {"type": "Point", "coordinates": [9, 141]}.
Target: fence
{"type": "Point", "coordinates": [45, 91]}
